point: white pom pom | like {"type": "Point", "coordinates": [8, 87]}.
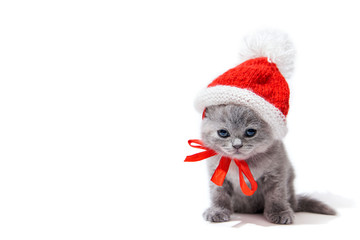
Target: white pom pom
{"type": "Point", "coordinates": [274, 45]}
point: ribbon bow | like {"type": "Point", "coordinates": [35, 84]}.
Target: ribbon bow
{"type": "Point", "coordinates": [220, 173]}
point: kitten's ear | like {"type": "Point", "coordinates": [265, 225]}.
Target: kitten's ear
{"type": "Point", "coordinates": [205, 113]}
{"type": "Point", "coordinates": [208, 112]}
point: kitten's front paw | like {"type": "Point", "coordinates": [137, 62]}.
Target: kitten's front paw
{"type": "Point", "coordinates": [216, 214]}
{"type": "Point", "coordinates": [284, 217]}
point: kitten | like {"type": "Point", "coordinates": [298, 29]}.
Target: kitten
{"type": "Point", "coordinates": [238, 132]}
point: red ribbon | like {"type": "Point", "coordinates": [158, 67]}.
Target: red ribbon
{"type": "Point", "coordinates": [220, 172]}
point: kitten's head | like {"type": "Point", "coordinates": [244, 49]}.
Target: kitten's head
{"type": "Point", "coordinates": [235, 131]}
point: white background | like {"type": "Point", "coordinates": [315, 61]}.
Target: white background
{"type": "Point", "coordinates": [96, 107]}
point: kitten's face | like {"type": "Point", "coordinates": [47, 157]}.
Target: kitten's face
{"type": "Point", "coordinates": [235, 131]}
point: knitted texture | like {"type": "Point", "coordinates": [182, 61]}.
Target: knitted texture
{"type": "Point", "coordinates": [232, 95]}
{"type": "Point", "coordinates": [262, 78]}
{"type": "Point", "coordinates": [255, 83]}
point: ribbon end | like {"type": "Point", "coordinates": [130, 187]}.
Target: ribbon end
{"type": "Point", "coordinates": [244, 169]}
{"type": "Point", "coordinates": [220, 172]}
{"type": "Point", "coordinates": [247, 191]}
{"type": "Point", "coordinates": [217, 181]}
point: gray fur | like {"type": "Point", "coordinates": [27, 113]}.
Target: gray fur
{"type": "Point", "coordinates": [268, 163]}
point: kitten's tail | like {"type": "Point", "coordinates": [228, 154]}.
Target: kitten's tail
{"type": "Point", "coordinates": [307, 204]}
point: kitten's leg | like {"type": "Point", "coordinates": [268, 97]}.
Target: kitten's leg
{"type": "Point", "coordinates": [221, 208]}
{"type": "Point", "coordinates": [277, 207]}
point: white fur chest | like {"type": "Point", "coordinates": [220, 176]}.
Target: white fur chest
{"type": "Point", "coordinates": [233, 173]}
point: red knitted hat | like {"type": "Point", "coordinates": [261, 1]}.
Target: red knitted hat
{"type": "Point", "coordinates": [259, 82]}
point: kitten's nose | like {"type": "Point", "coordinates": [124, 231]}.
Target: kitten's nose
{"type": "Point", "coordinates": [237, 143]}
{"type": "Point", "coordinates": [237, 146]}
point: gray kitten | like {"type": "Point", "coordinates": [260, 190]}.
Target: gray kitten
{"type": "Point", "coordinates": [238, 132]}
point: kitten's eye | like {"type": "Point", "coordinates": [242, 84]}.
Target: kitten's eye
{"type": "Point", "coordinates": [250, 132]}
{"type": "Point", "coordinates": [223, 133]}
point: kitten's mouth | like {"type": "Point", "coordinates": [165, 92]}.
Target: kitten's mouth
{"type": "Point", "coordinates": [237, 154]}
{"type": "Point", "coordinates": [240, 154]}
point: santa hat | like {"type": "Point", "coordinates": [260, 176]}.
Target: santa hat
{"type": "Point", "coordinates": [258, 82]}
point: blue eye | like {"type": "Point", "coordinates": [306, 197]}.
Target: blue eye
{"type": "Point", "coordinates": [223, 133]}
{"type": "Point", "coordinates": [250, 132]}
